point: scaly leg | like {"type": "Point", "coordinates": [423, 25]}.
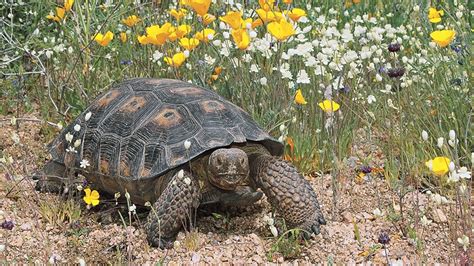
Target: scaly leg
{"type": "Point", "coordinates": [288, 192]}
{"type": "Point", "coordinates": [173, 209]}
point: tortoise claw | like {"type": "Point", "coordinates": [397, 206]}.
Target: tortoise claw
{"type": "Point", "coordinates": [315, 228]}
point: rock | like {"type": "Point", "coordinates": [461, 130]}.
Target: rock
{"type": "Point", "coordinates": [196, 257]}
{"type": "Point", "coordinates": [348, 217]}
{"type": "Point", "coordinates": [439, 216]}
{"type": "Point", "coordinates": [25, 227]}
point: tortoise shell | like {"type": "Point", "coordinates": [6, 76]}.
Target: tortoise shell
{"type": "Point", "coordinates": [138, 128]}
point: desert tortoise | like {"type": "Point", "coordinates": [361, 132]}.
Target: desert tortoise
{"type": "Point", "coordinates": [178, 146]}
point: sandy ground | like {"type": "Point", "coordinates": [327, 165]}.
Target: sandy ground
{"type": "Point", "coordinates": [237, 237]}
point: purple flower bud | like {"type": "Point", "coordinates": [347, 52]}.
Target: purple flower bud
{"type": "Point", "coordinates": [384, 239]}
{"type": "Point", "coordinates": [8, 225]}
{"type": "Point", "coordinates": [396, 72]}
{"type": "Point", "coordinates": [394, 47]}
{"type": "Point", "coordinates": [365, 169]}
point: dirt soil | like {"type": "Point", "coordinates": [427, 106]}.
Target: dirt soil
{"type": "Point", "coordinates": [238, 237]}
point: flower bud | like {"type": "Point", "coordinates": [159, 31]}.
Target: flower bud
{"type": "Point", "coordinates": [424, 135]}
{"type": "Point", "coordinates": [181, 173]}
{"type": "Point", "coordinates": [77, 143]}
{"type": "Point", "coordinates": [187, 144]}
{"type": "Point", "coordinates": [440, 142]}
{"type": "Point", "coordinates": [452, 167]}
{"type": "Point", "coordinates": [77, 127]}
{"type": "Point", "coordinates": [274, 230]}
{"type": "Point", "coordinates": [88, 116]}
{"type": "Point", "coordinates": [452, 135]}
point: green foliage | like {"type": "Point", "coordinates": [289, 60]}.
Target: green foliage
{"type": "Point", "coordinates": [56, 211]}
{"type": "Point", "coordinates": [288, 244]}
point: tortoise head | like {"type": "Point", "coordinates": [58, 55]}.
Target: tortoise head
{"type": "Point", "coordinates": [228, 168]}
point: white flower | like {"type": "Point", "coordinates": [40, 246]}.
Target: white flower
{"type": "Point", "coordinates": [254, 68]}
{"type": "Point", "coordinates": [416, 8]}
{"type": "Point", "coordinates": [88, 116]}
{"type": "Point", "coordinates": [378, 77]}
{"type": "Point", "coordinates": [377, 212]}
{"type": "Point", "coordinates": [263, 81]}
{"type": "Point", "coordinates": [71, 149]}
{"type": "Point", "coordinates": [186, 53]}
{"type": "Point", "coordinates": [69, 137]}
{"type": "Point", "coordinates": [464, 241]}
{"type": "Point", "coordinates": [453, 143]}
{"type": "Point", "coordinates": [132, 208]}
{"type": "Point", "coordinates": [79, 187]}
{"type": "Point", "coordinates": [425, 221]}
{"type": "Point", "coordinates": [282, 128]}
{"type": "Point", "coordinates": [371, 99]}
{"type": "Point", "coordinates": [451, 166]}
{"type": "Point", "coordinates": [77, 143]}
{"type": "Point", "coordinates": [424, 135]}
{"type": "Point", "coordinates": [440, 142]}
{"type": "Point", "coordinates": [302, 77]}
{"type": "Point", "coordinates": [274, 230]}
{"type": "Point", "coordinates": [181, 174]}
{"type": "Point", "coordinates": [84, 163]}
{"type": "Point", "coordinates": [462, 173]}
{"type": "Point", "coordinates": [2, 247]}
{"type": "Point", "coordinates": [187, 144]}
{"type": "Point", "coordinates": [210, 36]}
{"type": "Point", "coordinates": [157, 55]}
{"type": "Point", "coordinates": [452, 135]}
{"type": "Point", "coordinates": [77, 127]}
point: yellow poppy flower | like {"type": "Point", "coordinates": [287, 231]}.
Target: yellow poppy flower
{"type": "Point", "coordinates": [131, 20]}
{"type": "Point", "coordinates": [104, 40]}
{"type": "Point", "coordinates": [155, 34]}
{"type": "Point", "coordinates": [299, 98]}
{"type": "Point", "coordinates": [241, 38]}
{"type": "Point", "coordinates": [179, 32]}
{"type": "Point", "coordinates": [295, 14]}
{"type": "Point", "coordinates": [177, 60]}
{"type": "Point", "coordinates": [189, 43]}
{"type": "Point", "coordinates": [443, 37]}
{"type": "Point", "coordinates": [256, 23]}
{"type": "Point", "coordinates": [208, 19]}
{"type": "Point", "coordinates": [435, 15]}
{"type": "Point", "coordinates": [281, 30]}
{"type": "Point", "coordinates": [439, 165]}
{"type": "Point", "coordinates": [178, 14]}
{"type": "Point", "coordinates": [203, 35]}
{"type": "Point", "coordinates": [329, 106]}
{"type": "Point", "coordinates": [123, 37]}
{"type": "Point", "coordinates": [266, 5]}
{"type": "Point", "coordinates": [217, 72]}
{"type": "Point", "coordinates": [233, 19]}
{"type": "Point", "coordinates": [68, 5]}
{"type": "Point", "coordinates": [91, 197]}
{"type": "Point", "coordinates": [59, 14]}
{"type": "Point", "coordinates": [199, 6]}
{"type": "Point", "coordinates": [269, 16]}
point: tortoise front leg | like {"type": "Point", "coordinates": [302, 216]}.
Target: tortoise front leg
{"type": "Point", "coordinates": [172, 210]}
{"type": "Point", "coordinates": [288, 192]}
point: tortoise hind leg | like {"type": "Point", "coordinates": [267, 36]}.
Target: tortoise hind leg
{"type": "Point", "coordinates": [172, 210]}
{"type": "Point", "coordinates": [50, 178]}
